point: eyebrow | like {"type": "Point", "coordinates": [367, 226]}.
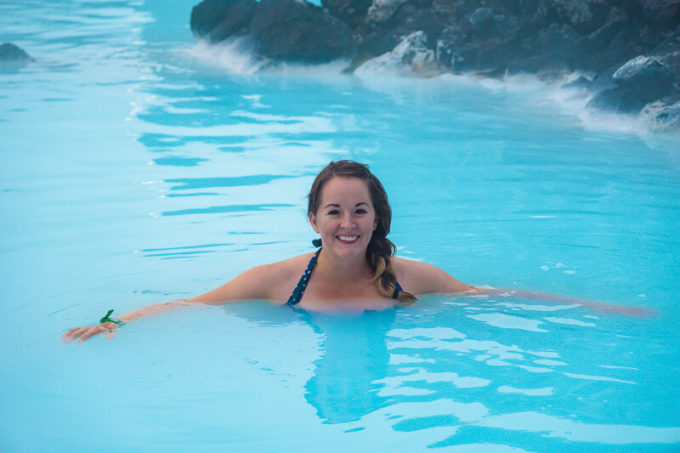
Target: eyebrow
{"type": "Point", "coordinates": [335, 205]}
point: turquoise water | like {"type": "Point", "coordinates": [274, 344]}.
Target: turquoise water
{"type": "Point", "coordinates": [135, 169]}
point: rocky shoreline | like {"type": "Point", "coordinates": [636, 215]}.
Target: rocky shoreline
{"type": "Point", "coordinates": [627, 52]}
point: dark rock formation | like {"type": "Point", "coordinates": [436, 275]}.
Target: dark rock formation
{"type": "Point", "coordinates": [286, 30]}
{"type": "Point", "coordinates": [351, 12]}
{"type": "Point", "coordinates": [217, 20]}
{"type": "Point", "coordinates": [638, 82]}
{"type": "Point", "coordinates": [294, 30]}
{"type": "Point", "coordinates": [10, 54]}
{"type": "Point", "coordinates": [631, 48]}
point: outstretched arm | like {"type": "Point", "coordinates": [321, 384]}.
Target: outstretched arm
{"type": "Point", "coordinates": [250, 285]}
{"type": "Point", "coordinates": [602, 307]}
{"type": "Point", "coordinates": [423, 278]}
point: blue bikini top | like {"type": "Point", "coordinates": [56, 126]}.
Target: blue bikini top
{"type": "Point", "coordinates": [299, 290]}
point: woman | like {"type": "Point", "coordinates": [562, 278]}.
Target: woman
{"type": "Point", "coordinates": [354, 268]}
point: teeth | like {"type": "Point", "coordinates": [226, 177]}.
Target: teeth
{"type": "Point", "coordinates": [347, 238]}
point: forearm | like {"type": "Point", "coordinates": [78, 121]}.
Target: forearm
{"type": "Point", "coordinates": [151, 310]}
{"type": "Point", "coordinates": [602, 307]}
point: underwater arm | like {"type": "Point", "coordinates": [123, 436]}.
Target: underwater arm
{"type": "Point", "coordinates": [250, 285]}
{"type": "Point", "coordinates": [602, 307]}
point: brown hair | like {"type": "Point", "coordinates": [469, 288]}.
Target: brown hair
{"type": "Point", "coordinates": [380, 249]}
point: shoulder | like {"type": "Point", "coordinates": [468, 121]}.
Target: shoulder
{"type": "Point", "coordinates": [281, 275]}
{"type": "Point", "coordinates": [418, 277]}
{"type": "Point", "coordinates": [282, 270]}
{"type": "Point", "coordinates": [273, 281]}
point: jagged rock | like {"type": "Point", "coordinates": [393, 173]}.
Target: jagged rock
{"type": "Point", "coordinates": [590, 50]}
{"type": "Point", "coordinates": [382, 10]}
{"type": "Point", "coordinates": [552, 53]}
{"type": "Point", "coordinates": [581, 82]}
{"type": "Point", "coordinates": [662, 12]}
{"type": "Point", "coordinates": [642, 71]}
{"type": "Point", "coordinates": [645, 78]}
{"type": "Point", "coordinates": [286, 30]}
{"type": "Point", "coordinates": [585, 16]}
{"type": "Point", "coordinates": [484, 42]}
{"type": "Point", "coordinates": [217, 20]}
{"type": "Point", "coordinates": [481, 19]}
{"type": "Point", "coordinates": [13, 55]}
{"type": "Point", "coordinates": [410, 56]}
{"type": "Point", "coordinates": [638, 82]}
{"type": "Point", "coordinates": [291, 30]}
{"type": "Point", "coordinates": [377, 39]}
{"type": "Point", "coordinates": [672, 62]}
{"type": "Point", "coordinates": [352, 12]}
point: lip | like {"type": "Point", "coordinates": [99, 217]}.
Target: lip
{"type": "Point", "coordinates": [347, 238]}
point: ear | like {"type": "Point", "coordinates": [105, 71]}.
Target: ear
{"type": "Point", "coordinates": [312, 220]}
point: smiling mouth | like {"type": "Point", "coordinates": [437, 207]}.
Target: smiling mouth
{"type": "Point", "coordinates": [347, 238]}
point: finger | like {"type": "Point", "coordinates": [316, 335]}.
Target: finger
{"type": "Point", "coordinates": [67, 336]}
{"type": "Point", "coordinates": [72, 334]}
{"type": "Point", "coordinates": [91, 332]}
{"type": "Point", "coordinates": [111, 333]}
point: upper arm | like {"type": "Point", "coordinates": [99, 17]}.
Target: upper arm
{"type": "Point", "coordinates": [255, 283]}
{"type": "Point", "coordinates": [423, 278]}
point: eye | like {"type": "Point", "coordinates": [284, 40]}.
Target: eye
{"type": "Point", "coordinates": [361, 211]}
{"type": "Point", "coordinates": [333, 212]}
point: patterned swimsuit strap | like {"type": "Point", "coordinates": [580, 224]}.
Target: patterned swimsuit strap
{"type": "Point", "coordinates": [302, 284]}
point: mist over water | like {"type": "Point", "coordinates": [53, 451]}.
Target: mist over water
{"type": "Point", "coordinates": [237, 57]}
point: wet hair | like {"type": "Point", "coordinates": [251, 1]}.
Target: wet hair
{"type": "Point", "coordinates": [380, 249]}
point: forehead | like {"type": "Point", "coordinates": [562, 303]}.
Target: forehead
{"type": "Point", "coordinates": [341, 188]}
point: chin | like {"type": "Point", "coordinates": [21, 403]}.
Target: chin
{"type": "Point", "coordinates": [349, 250]}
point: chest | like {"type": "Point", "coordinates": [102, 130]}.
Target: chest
{"type": "Point", "coordinates": [319, 289]}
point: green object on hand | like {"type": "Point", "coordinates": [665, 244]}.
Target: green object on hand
{"type": "Point", "coordinates": [107, 319]}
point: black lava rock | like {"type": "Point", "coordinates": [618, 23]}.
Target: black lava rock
{"type": "Point", "coordinates": [217, 20]}
{"type": "Point", "coordinates": [638, 82]}
{"type": "Point", "coordinates": [13, 54]}
{"type": "Point", "coordinates": [291, 30]}
{"type": "Point", "coordinates": [286, 30]}
{"type": "Point", "coordinates": [549, 38]}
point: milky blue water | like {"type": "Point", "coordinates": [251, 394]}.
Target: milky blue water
{"type": "Point", "coordinates": [137, 168]}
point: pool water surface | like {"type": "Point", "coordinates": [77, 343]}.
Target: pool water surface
{"type": "Point", "coordinates": [138, 168]}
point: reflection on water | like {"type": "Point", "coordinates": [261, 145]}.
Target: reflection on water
{"type": "Point", "coordinates": [462, 368]}
{"type": "Point", "coordinates": [345, 386]}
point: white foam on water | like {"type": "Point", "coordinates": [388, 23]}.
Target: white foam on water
{"type": "Point", "coordinates": [570, 100]}
{"type": "Point", "coordinates": [331, 68]}
{"type": "Point", "coordinates": [234, 56]}
{"type": "Point", "coordinates": [238, 56]}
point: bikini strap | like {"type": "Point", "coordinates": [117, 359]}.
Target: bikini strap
{"type": "Point", "coordinates": [397, 290]}
{"type": "Point", "coordinates": [299, 290]}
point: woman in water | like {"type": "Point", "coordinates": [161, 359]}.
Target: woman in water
{"type": "Point", "coordinates": [354, 267]}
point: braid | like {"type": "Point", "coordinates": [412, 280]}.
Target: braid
{"type": "Point", "coordinates": [378, 254]}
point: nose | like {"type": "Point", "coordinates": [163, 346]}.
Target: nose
{"type": "Point", "coordinates": [347, 221]}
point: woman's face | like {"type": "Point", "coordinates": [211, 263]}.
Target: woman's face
{"type": "Point", "coordinates": [346, 217]}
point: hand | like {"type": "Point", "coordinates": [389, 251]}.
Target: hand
{"type": "Point", "coordinates": [87, 332]}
